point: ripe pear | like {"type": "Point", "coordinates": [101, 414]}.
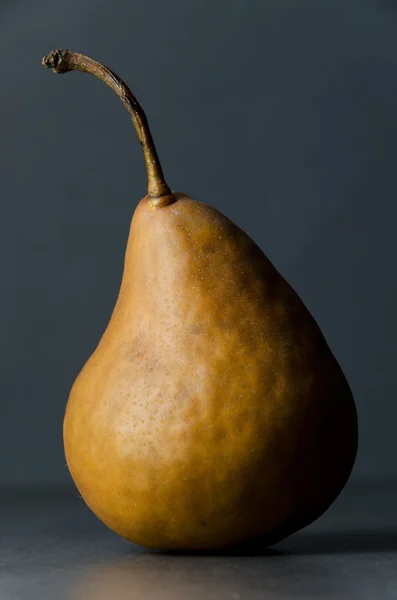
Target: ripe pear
{"type": "Point", "coordinates": [212, 411]}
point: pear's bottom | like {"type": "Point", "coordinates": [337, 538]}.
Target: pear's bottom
{"type": "Point", "coordinates": [242, 533]}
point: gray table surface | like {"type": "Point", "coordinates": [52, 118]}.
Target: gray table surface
{"type": "Point", "coordinates": [53, 547]}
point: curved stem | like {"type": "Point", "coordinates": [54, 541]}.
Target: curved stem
{"type": "Point", "coordinates": [62, 61]}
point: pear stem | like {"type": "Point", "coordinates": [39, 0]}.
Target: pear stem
{"type": "Point", "coordinates": [62, 61]}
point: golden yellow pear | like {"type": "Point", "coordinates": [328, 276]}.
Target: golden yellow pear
{"type": "Point", "coordinates": [212, 411]}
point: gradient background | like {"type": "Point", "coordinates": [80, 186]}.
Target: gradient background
{"type": "Point", "coordinates": [282, 114]}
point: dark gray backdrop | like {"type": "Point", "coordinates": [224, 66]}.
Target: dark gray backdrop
{"type": "Point", "coordinates": [282, 114]}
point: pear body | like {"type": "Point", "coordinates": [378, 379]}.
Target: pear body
{"type": "Point", "coordinates": [212, 410]}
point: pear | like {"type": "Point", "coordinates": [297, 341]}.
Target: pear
{"type": "Point", "coordinates": [212, 411]}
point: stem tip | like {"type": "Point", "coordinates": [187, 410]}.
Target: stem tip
{"type": "Point", "coordinates": [54, 60]}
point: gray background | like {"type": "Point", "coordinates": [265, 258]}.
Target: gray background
{"type": "Point", "coordinates": [308, 88]}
